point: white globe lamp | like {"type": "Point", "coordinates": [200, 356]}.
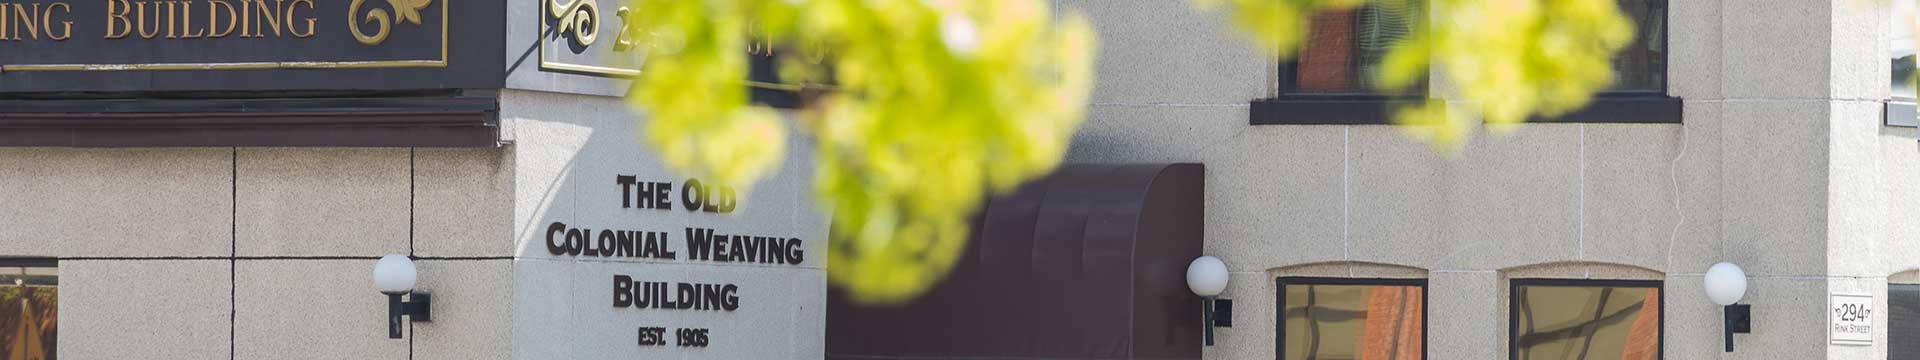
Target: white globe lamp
{"type": "Point", "coordinates": [1207, 277]}
{"type": "Point", "coordinates": [395, 276]}
{"type": "Point", "coordinates": [1726, 284]}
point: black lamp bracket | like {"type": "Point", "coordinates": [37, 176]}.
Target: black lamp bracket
{"type": "Point", "coordinates": [1217, 312]}
{"type": "Point", "coordinates": [418, 307]}
{"type": "Point", "coordinates": [1739, 320]}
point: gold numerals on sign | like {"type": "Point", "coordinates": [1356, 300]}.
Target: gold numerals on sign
{"type": "Point", "coordinates": [579, 20]}
{"type": "Point", "coordinates": [624, 42]}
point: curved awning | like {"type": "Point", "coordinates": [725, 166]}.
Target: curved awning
{"type": "Point", "coordinates": [1089, 262]}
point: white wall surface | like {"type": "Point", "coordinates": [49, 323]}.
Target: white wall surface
{"type": "Point", "coordinates": [1780, 165]}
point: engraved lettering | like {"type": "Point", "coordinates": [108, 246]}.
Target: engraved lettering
{"type": "Point", "coordinates": [310, 19]}
{"type": "Point", "coordinates": [3, 21]}
{"type": "Point", "coordinates": [213, 17]}
{"type": "Point", "coordinates": [22, 15]}
{"type": "Point", "coordinates": [171, 14]}
{"type": "Point", "coordinates": [268, 17]}
{"type": "Point", "coordinates": [186, 22]}
{"type": "Point", "coordinates": [246, 11]}
{"type": "Point", "coordinates": [140, 19]}
{"type": "Point", "coordinates": [66, 26]}
{"type": "Point", "coordinates": [624, 41]}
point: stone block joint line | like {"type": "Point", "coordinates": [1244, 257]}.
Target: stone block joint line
{"type": "Point", "coordinates": [233, 253]}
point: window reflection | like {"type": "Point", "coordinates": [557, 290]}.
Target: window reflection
{"type": "Point", "coordinates": [28, 322]}
{"type": "Point", "coordinates": [1564, 321]}
{"type": "Point", "coordinates": [1903, 321]}
{"type": "Point", "coordinates": [1335, 321]}
{"type": "Point", "coordinates": [1642, 64]}
{"type": "Point", "coordinates": [1343, 49]}
{"type": "Point", "coordinates": [1901, 42]}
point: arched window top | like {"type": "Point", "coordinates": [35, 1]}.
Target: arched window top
{"type": "Point", "coordinates": [1349, 269]}
{"type": "Point", "coordinates": [1582, 270]}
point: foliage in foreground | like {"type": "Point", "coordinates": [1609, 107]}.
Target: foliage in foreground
{"type": "Point", "coordinates": [932, 105]}
{"type": "Point", "coordinates": [1508, 60]}
{"type": "Point", "coordinates": [936, 103]}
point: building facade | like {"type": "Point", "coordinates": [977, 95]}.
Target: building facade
{"type": "Point", "coordinates": [1778, 157]}
{"type": "Point", "coordinates": [182, 195]}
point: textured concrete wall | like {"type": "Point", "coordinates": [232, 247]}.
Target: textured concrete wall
{"type": "Point", "coordinates": [263, 253]}
{"type": "Point", "coordinates": [1780, 165]}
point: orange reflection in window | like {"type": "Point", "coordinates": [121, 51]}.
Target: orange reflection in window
{"type": "Point", "coordinates": [1643, 339]}
{"type": "Point", "coordinates": [1586, 322]}
{"type": "Point", "coordinates": [1367, 322]}
{"type": "Point", "coordinates": [1393, 323]}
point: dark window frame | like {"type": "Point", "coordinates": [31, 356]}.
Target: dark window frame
{"type": "Point", "coordinates": [28, 262]}
{"type": "Point", "coordinates": [1894, 287]}
{"type": "Point", "coordinates": [1280, 302]}
{"type": "Point", "coordinates": [9, 262]}
{"type": "Point", "coordinates": [1639, 106]}
{"type": "Point", "coordinates": [764, 68]}
{"type": "Point", "coordinates": [1513, 305]}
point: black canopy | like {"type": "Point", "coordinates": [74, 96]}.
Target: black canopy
{"type": "Point", "coordinates": [1087, 263]}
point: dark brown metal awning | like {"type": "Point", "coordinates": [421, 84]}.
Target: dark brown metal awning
{"type": "Point", "coordinates": [1088, 263]}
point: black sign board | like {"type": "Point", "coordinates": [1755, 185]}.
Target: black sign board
{"type": "Point", "coordinates": [249, 45]}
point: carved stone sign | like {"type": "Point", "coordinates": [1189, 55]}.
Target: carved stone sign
{"type": "Point", "coordinates": [572, 38]}
{"type": "Point", "coordinates": [1850, 319]}
{"type": "Point", "coordinates": [623, 259]}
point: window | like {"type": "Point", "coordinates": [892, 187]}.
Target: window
{"type": "Point", "coordinates": [1332, 80]}
{"type": "Point", "coordinates": [1900, 102]}
{"type": "Point", "coordinates": [28, 300]}
{"type": "Point", "coordinates": [1585, 319]}
{"type": "Point", "coordinates": [763, 82]}
{"type": "Point", "coordinates": [1903, 321]}
{"type": "Point", "coordinates": [1902, 22]}
{"type": "Point", "coordinates": [1642, 65]}
{"type": "Point", "coordinates": [1327, 318]}
{"type": "Point", "coordinates": [1342, 51]}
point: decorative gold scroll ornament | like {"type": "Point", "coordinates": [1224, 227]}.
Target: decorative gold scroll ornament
{"type": "Point", "coordinates": [403, 10]}
{"type": "Point", "coordinates": [579, 17]}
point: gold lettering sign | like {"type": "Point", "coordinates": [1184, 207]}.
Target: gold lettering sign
{"type": "Point", "coordinates": [570, 27]}
{"type": "Point", "coordinates": [28, 22]}
{"type": "Point", "coordinates": [575, 26]}
{"type": "Point", "coordinates": [255, 19]}
{"type": "Point", "coordinates": [66, 27]}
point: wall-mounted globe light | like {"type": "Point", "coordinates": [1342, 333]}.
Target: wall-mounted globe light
{"type": "Point", "coordinates": [395, 276]}
{"type": "Point", "coordinates": [1207, 276]}
{"type": "Point", "coordinates": [1726, 283]}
